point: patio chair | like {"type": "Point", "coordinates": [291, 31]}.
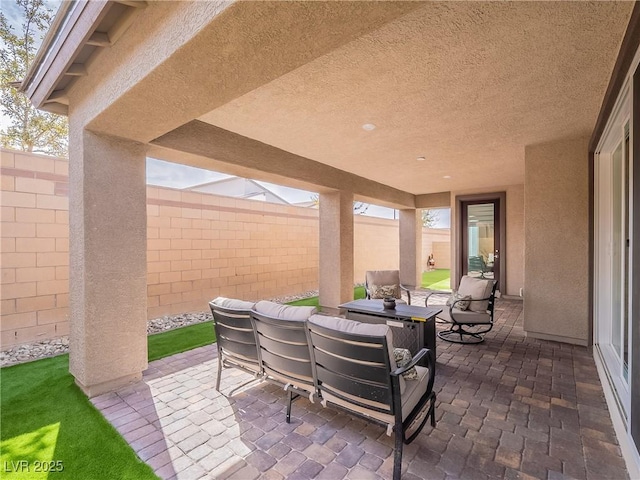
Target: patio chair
{"type": "Point", "coordinates": [379, 284]}
{"type": "Point", "coordinates": [355, 368]}
{"type": "Point", "coordinates": [477, 264]}
{"type": "Point", "coordinates": [470, 312]}
{"type": "Point", "coordinates": [283, 350]}
{"type": "Point", "coordinates": [235, 339]}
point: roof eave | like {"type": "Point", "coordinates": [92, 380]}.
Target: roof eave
{"type": "Point", "coordinates": [77, 25]}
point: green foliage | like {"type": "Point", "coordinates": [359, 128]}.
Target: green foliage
{"type": "Point", "coordinates": [30, 130]}
{"type": "Point", "coordinates": [430, 218]}
{"type": "Point", "coordinates": [359, 208]}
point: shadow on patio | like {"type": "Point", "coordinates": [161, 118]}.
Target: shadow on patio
{"type": "Point", "coordinates": [511, 407]}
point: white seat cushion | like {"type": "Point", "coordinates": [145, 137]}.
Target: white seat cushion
{"type": "Point", "coordinates": [284, 312]}
{"type": "Point", "coordinates": [233, 303]}
{"type": "Point", "coordinates": [477, 288]}
{"type": "Point", "coordinates": [465, 317]}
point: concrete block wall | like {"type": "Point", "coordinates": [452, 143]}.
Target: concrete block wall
{"type": "Point", "coordinates": [199, 246]}
{"type": "Point", "coordinates": [34, 256]}
{"type": "Point", "coordinates": [375, 245]}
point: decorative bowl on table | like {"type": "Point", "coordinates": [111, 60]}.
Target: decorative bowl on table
{"type": "Point", "coordinates": [389, 303]}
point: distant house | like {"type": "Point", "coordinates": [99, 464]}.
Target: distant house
{"type": "Point", "coordinates": [240, 188]}
{"type": "Point", "coordinates": [307, 204]}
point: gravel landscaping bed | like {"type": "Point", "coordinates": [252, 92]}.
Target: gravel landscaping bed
{"type": "Point", "coordinates": [57, 346]}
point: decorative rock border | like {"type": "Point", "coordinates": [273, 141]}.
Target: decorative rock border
{"type": "Point", "coordinates": [50, 348]}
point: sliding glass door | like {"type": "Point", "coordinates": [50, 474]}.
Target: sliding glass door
{"type": "Point", "coordinates": [612, 256]}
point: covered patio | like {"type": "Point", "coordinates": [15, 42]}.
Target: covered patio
{"type": "Point", "coordinates": [410, 105]}
{"type": "Point", "coordinates": [511, 407]}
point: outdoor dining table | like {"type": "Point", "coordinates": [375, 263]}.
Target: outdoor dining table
{"type": "Point", "coordinates": [413, 327]}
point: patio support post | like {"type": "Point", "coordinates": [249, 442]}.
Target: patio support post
{"type": "Point", "coordinates": [556, 257]}
{"type": "Point", "coordinates": [336, 249]}
{"type": "Point", "coordinates": [411, 247]}
{"type": "Point", "coordinates": [108, 241]}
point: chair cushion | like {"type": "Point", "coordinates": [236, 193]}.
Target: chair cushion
{"type": "Point", "coordinates": [284, 312]}
{"type": "Point", "coordinates": [477, 288]}
{"type": "Point", "coordinates": [465, 317]}
{"type": "Point", "coordinates": [403, 357]}
{"type": "Point", "coordinates": [383, 277]}
{"type": "Point", "coordinates": [232, 303]}
{"type": "Point", "coordinates": [463, 301]}
{"type": "Point", "coordinates": [384, 291]}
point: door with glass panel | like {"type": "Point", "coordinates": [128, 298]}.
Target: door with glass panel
{"type": "Point", "coordinates": [481, 253]}
{"type": "Point", "coordinates": [612, 258]}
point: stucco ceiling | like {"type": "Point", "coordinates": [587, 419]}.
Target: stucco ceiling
{"type": "Point", "coordinates": [466, 85]}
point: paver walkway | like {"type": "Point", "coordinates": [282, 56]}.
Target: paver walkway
{"type": "Point", "coordinates": [512, 407]}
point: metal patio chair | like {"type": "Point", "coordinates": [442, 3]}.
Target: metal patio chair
{"type": "Point", "coordinates": [470, 324]}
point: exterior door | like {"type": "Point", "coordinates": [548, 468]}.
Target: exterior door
{"type": "Point", "coordinates": [482, 231]}
{"type": "Point", "coordinates": [612, 257]}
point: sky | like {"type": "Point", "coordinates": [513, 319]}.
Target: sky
{"type": "Point", "coordinates": [174, 175]}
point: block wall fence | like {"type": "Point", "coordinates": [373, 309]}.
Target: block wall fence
{"type": "Point", "coordinates": [200, 246]}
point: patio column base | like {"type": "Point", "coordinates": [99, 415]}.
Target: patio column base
{"type": "Point", "coordinates": [109, 386]}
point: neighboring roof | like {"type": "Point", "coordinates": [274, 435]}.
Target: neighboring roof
{"type": "Point", "coordinates": [260, 187]}
{"type": "Point", "coordinates": [307, 204]}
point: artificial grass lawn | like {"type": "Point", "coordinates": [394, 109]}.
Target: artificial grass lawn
{"type": "Point", "coordinates": [46, 418]}
{"type": "Point", "coordinates": [180, 340]}
{"type": "Point", "coordinates": [358, 293]}
{"type": "Point", "coordinates": [437, 279]}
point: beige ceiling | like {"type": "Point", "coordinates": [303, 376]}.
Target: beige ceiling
{"type": "Point", "coordinates": [466, 85]}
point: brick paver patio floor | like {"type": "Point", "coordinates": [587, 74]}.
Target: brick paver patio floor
{"type": "Point", "coordinates": [511, 407]}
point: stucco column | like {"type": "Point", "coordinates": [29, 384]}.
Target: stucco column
{"type": "Point", "coordinates": [411, 247]}
{"type": "Point", "coordinates": [336, 249]}
{"type": "Point", "coordinates": [108, 285]}
{"type": "Point", "coordinates": [556, 256]}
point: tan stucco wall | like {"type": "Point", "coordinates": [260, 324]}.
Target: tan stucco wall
{"type": "Point", "coordinates": [556, 291]}
{"type": "Point", "coordinates": [515, 237]}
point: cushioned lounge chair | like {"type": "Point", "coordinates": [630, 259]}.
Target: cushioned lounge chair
{"type": "Point", "coordinates": [469, 319]}
{"type": "Point", "coordinates": [355, 368]}
{"type": "Point", "coordinates": [380, 284]}
{"type": "Point", "coordinates": [236, 341]}
{"type": "Point", "coordinates": [477, 264]}
{"type": "Point", "coordinates": [283, 349]}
